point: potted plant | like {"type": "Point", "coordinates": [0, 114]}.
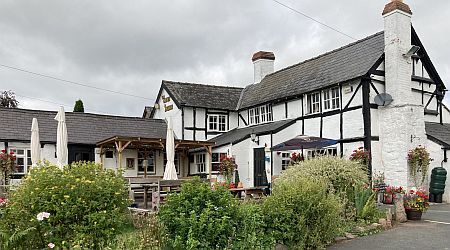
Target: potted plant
{"type": "Point", "coordinates": [419, 162]}
{"type": "Point", "coordinates": [390, 192]}
{"type": "Point", "coordinates": [416, 203]}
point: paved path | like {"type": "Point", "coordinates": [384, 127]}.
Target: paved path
{"type": "Point", "coordinates": [433, 232]}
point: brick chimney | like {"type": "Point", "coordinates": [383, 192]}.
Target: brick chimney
{"type": "Point", "coordinates": [263, 63]}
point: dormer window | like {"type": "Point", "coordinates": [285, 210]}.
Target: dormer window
{"type": "Point", "coordinates": [261, 114]}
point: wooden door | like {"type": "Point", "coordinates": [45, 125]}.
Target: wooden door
{"type": "Point", "coordinates": [259, 165]}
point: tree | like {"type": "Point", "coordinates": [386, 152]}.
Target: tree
{"type": "Point", "coordinates": [8, 99]}
{"type": "Point", "coordinates": [79, 107]}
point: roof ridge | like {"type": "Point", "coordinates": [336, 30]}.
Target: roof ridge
{"type": "Point", "coordinates": [203, 84]}
{"type": "Point", "coordinates": [329, 52]}
{"type": "Point", "coordinates": [76, 113]}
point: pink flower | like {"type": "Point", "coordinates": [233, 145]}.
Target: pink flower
{"type": "Point", "coordinates": [51, 245]}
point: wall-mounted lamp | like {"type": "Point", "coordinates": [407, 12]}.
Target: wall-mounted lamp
{"type": "Point", "coordinates": [414, 137]}
{"type": "Point", "coordinates": [254, 138]}
{"type": "Point", "coordinates": [413, 50]}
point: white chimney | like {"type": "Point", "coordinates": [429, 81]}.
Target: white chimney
{"type": "Point", "coordinates": [397, 39]}
{"type": "Point", "coordinates": [263, 64]}
{"type": "Point", "coordinates": [401, 123]}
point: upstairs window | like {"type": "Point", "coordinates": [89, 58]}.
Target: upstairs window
{"type": "Point", "coordinates": [313, 103]}
{"type": "Point", "coordinates": [217, 123]}
{"type": "Point", "coordinates": [331, 99]}
{"type": "Point", "coordinates": [261, 114]}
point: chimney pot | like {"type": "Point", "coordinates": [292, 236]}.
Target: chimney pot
{"type": "Point", "coordinates": [263, 55]}
{"type": "Point", "coordinates": [396, 5]}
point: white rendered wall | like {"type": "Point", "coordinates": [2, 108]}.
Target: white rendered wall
{"type": "Point", "coordinates": [175, 113]}
{"type": "Point", "coordinates": [437, 154]}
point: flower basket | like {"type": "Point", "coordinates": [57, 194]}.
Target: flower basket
{"type": "Point", "coordinates": [413, 214]}
{"type": "Point", "coordinates": [388, 199]}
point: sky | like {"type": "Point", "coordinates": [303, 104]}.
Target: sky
{"type": "Point", "coordinates": [131, 46]}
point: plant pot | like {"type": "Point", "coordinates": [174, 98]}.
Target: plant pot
{"type": "Point", "coordinates": [413, 214]}
{"type": "Point", "coordinates": [388, 199]}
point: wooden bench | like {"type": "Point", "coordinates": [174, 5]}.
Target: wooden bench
{"type": "Point", "coordinates": [250, 193]}
{"type": "Point", "coordinates": [165, 187]}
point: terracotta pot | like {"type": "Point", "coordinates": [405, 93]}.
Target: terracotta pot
{"type": "Point", "coordinates": [240, 185]}
{"type": "Point", "coordinates": [413, 214]}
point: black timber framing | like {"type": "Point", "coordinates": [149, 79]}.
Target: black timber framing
{"type": "Point", "coordinates": [241, 117]}
{"type": "Point", "coordinates": [321, 111]}
{"type": "Point", "coordinates": [341, 123]}
{"type": "Point", "coordinates": [228, 120]}
{"type": "Point", "coordinates": [206, 123]}
{"type": "Point", "coordinates": [194, 114]}
{"type": "Point", "coordinates": [303, 114]}
{"type": "Point", "coordinates": [182, 122]}
{"type": "Point", "coordinates": [367, 119]}
{"type": "Point", "coordinates": [285, 109]}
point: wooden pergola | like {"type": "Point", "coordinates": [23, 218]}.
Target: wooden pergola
{"type": "Point", "coordinates": [120, 143]}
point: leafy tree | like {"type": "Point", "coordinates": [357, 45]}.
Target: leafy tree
{"type": "Point", "coordinates": [79, 106]}
{"type": "Point", "coordinates": [8, 99]}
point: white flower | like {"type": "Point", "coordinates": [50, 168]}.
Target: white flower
{"type": "Point", "coordinates": [42, 215]}
{"type": "Point", "coordinates": [51, 245]}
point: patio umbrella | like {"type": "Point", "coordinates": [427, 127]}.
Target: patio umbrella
{"type": "Point", "coordinates": [304, 142]}
{"type": "Point", "coordinates": [61, 139]}
{"type": "Point", "coordinates": [170, 173]}
{"type": "Point", "coordinates": [35, 143]}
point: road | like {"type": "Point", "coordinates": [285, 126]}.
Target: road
{"type": "Point", "coordinates": [433, 232]}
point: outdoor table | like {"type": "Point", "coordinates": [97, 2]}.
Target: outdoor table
{"type": "Point", "coordinates": [258, 191]}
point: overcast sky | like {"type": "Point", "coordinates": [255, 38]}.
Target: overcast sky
{"type": "Point", "coordinates": [130, 46]}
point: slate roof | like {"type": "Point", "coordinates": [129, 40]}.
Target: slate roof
{"type": "Point", "coordinates": [240, 134]}
{"type": "Point", "coordinates": [203, 95]}
{"type": "Point", "coordinates": [439, 133]}
{"type": "Point", "coordinates": [340, 65]}
{"type": "Point", "coordinates": [82, 128]}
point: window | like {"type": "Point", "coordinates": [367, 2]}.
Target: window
{"type": "Point", "coordinates": [149, 163]}
{"type": "Point", "coordinates": [109, 154]}
{"type": "Point", "coordinates": [322, 152]}
{"type": "Point", "coordinates": [176, 162]}
{"type": "Point", "coordinates": [261, 114]}
{"type": "Point", "coordinates": [216, 157]}
{"type": "Point", "coordinates": [313, 103]}
{"type": "Point", "coordinates": [200, 163]}
{"type": "Point", "coordinates": [331, 99]}
{"type": "Point", "coordinates": [285, 160]}
{"type": "Point", "coordinates": [217, 123]}
{"type": "Point", "coordinates": [23, 160]}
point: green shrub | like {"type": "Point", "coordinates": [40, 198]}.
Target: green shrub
{"type": "Point", "coordinates": [366, 208]}
{"type": "Point", "coordinates": [301, 213]}
{"type": "Point", "coordinates": [250, 231]}
{"type": "Point", "coordinates": [87, 206]}
{"type": "Point", "coordinates": [342, 175]}
{"type": "Point", "coordinates": [199, 217]}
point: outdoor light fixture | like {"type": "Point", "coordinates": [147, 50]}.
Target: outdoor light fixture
{"type": "Point", "coordinates": [254, 138]}
{"type": "Point", "coordinates": [413, 50]}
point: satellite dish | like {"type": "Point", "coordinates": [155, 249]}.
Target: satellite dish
{"type": "Point", "coordinates": [383, 99]}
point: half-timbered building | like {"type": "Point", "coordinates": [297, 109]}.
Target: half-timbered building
{"type": "Point", "coordinates": [329, 96]}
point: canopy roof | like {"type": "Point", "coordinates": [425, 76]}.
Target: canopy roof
{"type": "Point", "coordinates": [150, 143]}
{"type": "Point", "coordinates": [304, 142]}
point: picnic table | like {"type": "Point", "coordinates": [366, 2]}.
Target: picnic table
{"type": "Point", "coordinates": [249, 192]}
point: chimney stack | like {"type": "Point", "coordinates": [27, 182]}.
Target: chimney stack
{"type": "Point", "coordinates": [263, 63]}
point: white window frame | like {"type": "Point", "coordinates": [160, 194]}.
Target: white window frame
{"type": "Point", "coordinates": [285, 160]}
{"type": "Point", "coordinates": [26, 156]}
{"type": "Point", "coordinates": [217, 123]}
{"type": "Point", "coordinates": [313, 103]}
{"type": "Point", "coordinates": [331, 99]}
{"type": "Point", "coordinates": [331, 151]}
{"type": "Point", "coordinates": [215, 163]}
{"type": "Point", "coordinates": [200, 163]}
{"type": "Point", "coordinates": [261, 114]}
